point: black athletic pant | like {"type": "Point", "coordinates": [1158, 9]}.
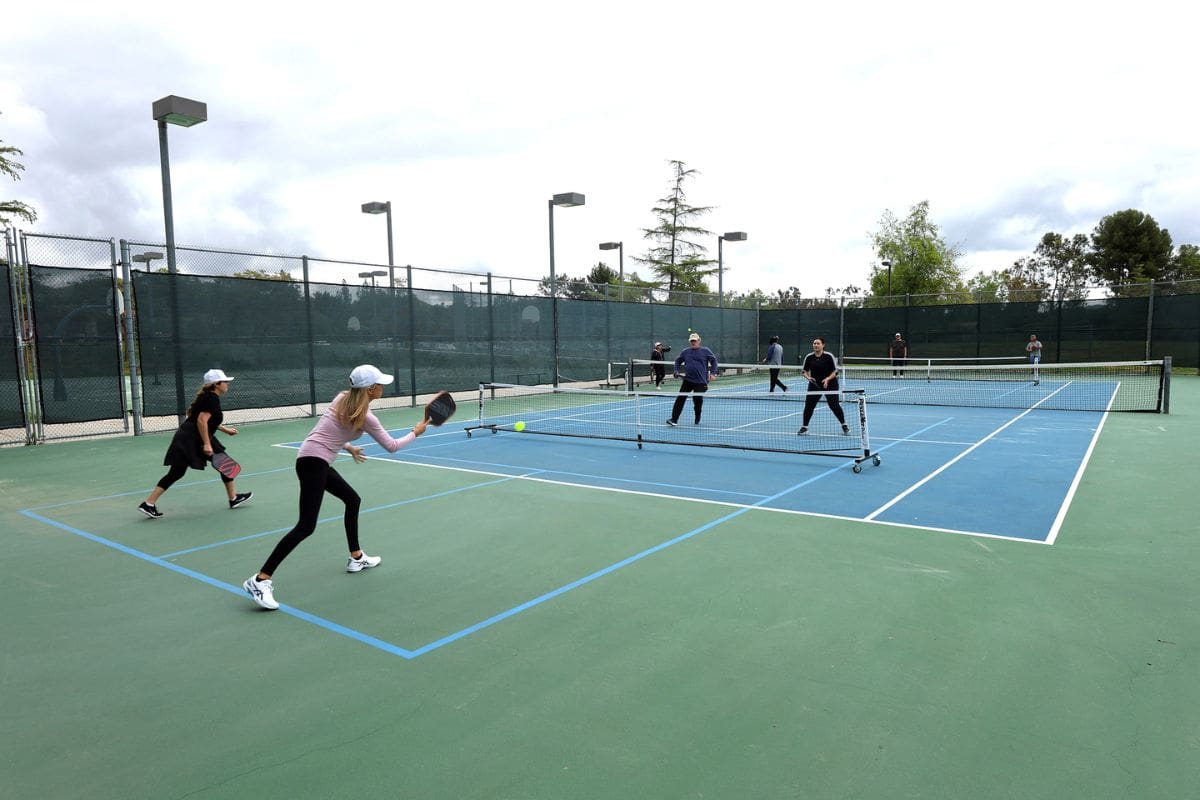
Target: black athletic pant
{"type": "Point", "coordinates": [317, 477]}
{"type": "Point", "coordinates": [898, 366]}
{"type": "Point", "coordinates": [697, 399]}
{"type": "Point", "coordinates": [775, 381]}
{"type": "Point", "coordinates": [810, 403]}
{"type": "Point", "coordinates": [659, 374]}
{"type": "Point", "coordinates": [176, 472]}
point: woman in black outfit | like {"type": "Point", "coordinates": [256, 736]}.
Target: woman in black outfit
{"type": "Point", "coordinates": [195, 443]}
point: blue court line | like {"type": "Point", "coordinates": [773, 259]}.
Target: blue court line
{"type": "Point", "coordinates": [612, 567]}
{"type": "Point", "coordinates": [239, 591]}
{"type": "Point", "coordinates": [341, 516]}
{"type": "Point", "coordinates": [411, 654]}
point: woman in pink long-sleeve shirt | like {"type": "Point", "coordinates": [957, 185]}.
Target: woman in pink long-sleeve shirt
{"type": "Point", "coordinates": [346, 419]}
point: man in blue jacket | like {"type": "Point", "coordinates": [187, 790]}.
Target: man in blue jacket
{"type": "Point", "coordinates": [699, 366]}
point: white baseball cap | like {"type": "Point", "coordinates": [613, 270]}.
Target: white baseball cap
{"type": "Point", "coordinates": [215, 376]}
{"type": "Point", "coordinates": [366, 376]}
{"type": "Point", "coordinates": [695, 337]}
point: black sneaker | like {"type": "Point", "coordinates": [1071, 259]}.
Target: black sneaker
{"type": "Point", "coordinates": [150, 511]}
{"type": "Point", "coordinates": [802, 431]}
{"type": "Point", "coordinates": [240, 498]}
{"type": "Point", "coordinates": [697, 422]}
{"type": "Point", "coordinates": [845, 430]}
{"type": "Point", "coordinates": [672, 423]}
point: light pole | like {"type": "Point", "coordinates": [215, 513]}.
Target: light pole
{"type": "Point", "coordinates": [731, 236]}
{"type": "Point", "coordinates": [372, 275]}
{"type": "Point", "coordinates": [566, 200]}
{"type": "Point", "coordinates": [147, 258]}
{"type": "Point", "coordinates": [386, 208]}
{"type": "Point", "coordinates": [620, 248]}
{"type": "Point", "coordinates": [185, 113]}
{"type": "Point", "coordinates": [887, 263]}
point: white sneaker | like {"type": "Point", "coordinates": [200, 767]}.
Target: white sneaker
{"type": "Point", "coordinates": [261, 592]}
{"type": "Point", "coordinates": [359, 564]}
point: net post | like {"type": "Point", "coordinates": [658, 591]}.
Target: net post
{"type": "Point", "coordinates": [629, 382]}
{"type": "Point", "coordinates": [862, 421]}
{"type": "Point", "coordinates": [1150, 320]}
{"type": "Point", "coordinates": [1166, 385]}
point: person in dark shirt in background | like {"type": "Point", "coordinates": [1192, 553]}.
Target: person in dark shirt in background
{"type": "Point", "coordinates": [699, 366]}
{"type": "Point", "coordinates": [659, 370]}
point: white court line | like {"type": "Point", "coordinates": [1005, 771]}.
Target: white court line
{"type": "Point", "coordinates": [956, 459]}
{"type": "Point", "coordinates": [390, 458]}
{"type": "Point", "coordinates": [1062, 511]}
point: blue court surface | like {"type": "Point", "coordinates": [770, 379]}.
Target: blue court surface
{"type": "Point", "coordinates": [1000, 473]}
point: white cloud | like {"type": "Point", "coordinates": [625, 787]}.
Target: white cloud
{"type": "Point", "coordinates": [805, 123]}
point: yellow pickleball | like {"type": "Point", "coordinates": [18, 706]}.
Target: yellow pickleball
{"type": "Point", "coordinates": [520, 426]}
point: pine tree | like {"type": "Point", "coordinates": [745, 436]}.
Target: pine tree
{"type": "Point", "coordinates": [676, 258]}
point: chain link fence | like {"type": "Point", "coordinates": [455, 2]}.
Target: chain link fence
{"type": "Point", "coordinates": [97, 341]}
{"type": "Point", "coordinates": [1138, 321]}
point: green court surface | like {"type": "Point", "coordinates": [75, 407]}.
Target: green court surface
{"type": "Point", "coordinates": [768, 655]}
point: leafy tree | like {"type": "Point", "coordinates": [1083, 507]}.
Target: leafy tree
{"type": "Point", "coordinates": [1064, 265]}
{"type": "Point", "coordinates": [1185, 264]}
{"type": "Point", "coordinates": [265, 275]}
{"type": "Point", "coordinates": [11, 168]}
{"type": "Point", "coordinates": [1130, 247]}
{"type": "Point", "coordinates": [988, 287]}
{"type": "Point", "coordinates": [676, 258]}
{"type": "Point", "coordinates": [602, 274]}
{"type": "Point", "coordinates": [922, 262]}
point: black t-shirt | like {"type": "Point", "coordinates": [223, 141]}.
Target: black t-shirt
{"type": "Point", "coordinates": [898, 346]}
{"type": "Point", "coordinates": [820, 368]}
{"type": "Point", "coordinates": [212, 404]}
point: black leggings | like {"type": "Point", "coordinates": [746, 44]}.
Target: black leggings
{"type": "Point", "coordinates": [775, 380]}
{"type": "Point", "coordinates": [176, 472]}
{"type": "Point", "coordinates": [317, 476]}
{"type": "Point", "coordinates": [697, 399]}
{"type": "Point", "coordinates": [810, 403]}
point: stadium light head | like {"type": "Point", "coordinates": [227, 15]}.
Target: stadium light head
{"type": "Point", "coordinates": [146, 258]}
{"type": "Point", "coordinates": [375, 208]}
{"type": "Point", "coordinates": [609, 245]}
{"type": "Point", "coordinates": [567, 199]}
{"type": "Point", "coordinates": [735, 236]}
{"type": "Point", "coordinates": [180, 111]}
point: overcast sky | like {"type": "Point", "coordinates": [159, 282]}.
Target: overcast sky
{"type": "Point", "coordinates": [805, 123]}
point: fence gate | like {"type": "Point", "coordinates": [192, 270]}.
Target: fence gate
{"type": "Point", "coordinates": [63, 364]}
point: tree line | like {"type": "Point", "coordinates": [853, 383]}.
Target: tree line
{"type": "Point", "coordinates": [1124, 252]}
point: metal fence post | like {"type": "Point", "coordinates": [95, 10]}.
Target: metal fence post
{"type": "Point", "coordinates": [1150, 320]}
{"type": "Point", "coordinates": [412, 341]}
{"type": "Point", "coordinates": [132, 352]}
{"type": "Point", "coordinates": [312, 367]}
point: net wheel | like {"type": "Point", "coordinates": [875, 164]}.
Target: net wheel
{"type": "Point", "coordinates": [857, 468]}
{"type": "Point", "coordinates": [876, 460]}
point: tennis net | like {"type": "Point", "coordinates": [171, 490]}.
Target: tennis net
{"type": "Point", "coordinates": [741, 421]}
{"type": "Point", "coordinates": [923, 364]}
{"type": "Point", "coordinates": [1101, 386]}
